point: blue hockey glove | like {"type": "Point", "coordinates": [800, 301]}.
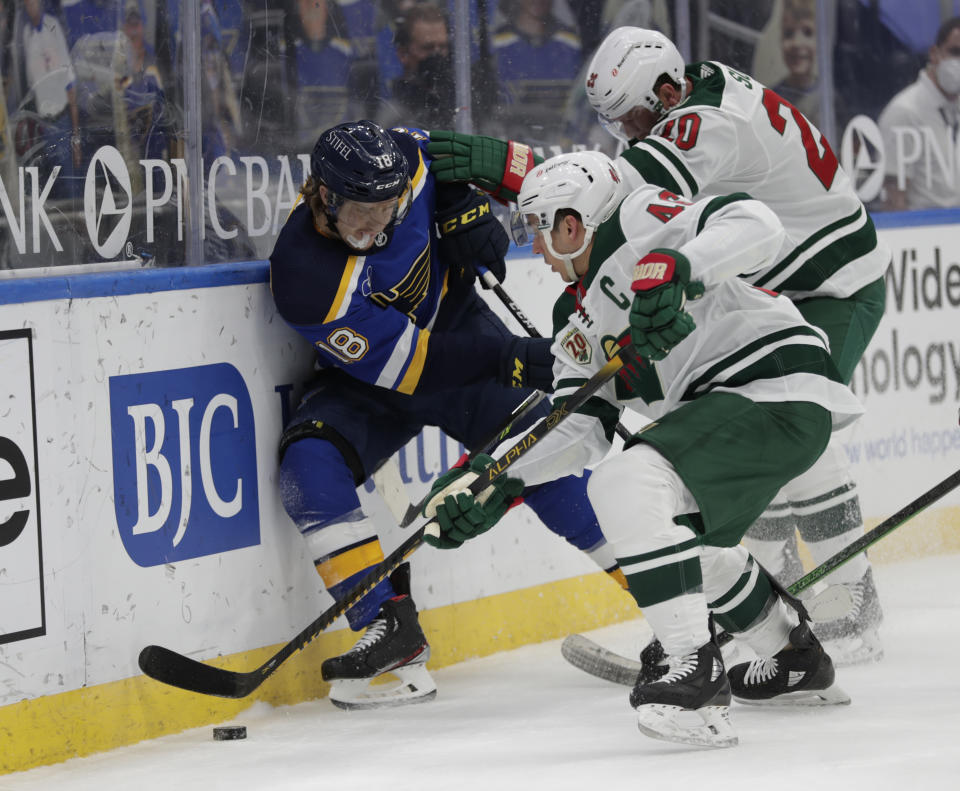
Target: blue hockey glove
{"type": "Point", "coordinates": [471, 234]}
{"type": "Point", "coordinates": [459, 515]}
{"type": "Point", "coordinates": [527, 362]}
{"type": "Point", "coordinates": [661, 287]}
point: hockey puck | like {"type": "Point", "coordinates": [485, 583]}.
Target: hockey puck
{"type": "Point", "coordinates": [228, 733]}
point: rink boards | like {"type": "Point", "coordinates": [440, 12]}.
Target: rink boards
{"type": "Point", "coordinates": [139, 415]}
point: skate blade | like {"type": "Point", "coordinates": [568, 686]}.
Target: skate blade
{"type": "Point", "coordinates": [415, 685]}
{"type": "Point", "coordinates": [831, 696]}
{"type": "Point", "coordinates": [704, 727]}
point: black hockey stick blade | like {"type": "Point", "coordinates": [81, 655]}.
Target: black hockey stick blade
{"type": "Point", "coordinates": [177, 670]}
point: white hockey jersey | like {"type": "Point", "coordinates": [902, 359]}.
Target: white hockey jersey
{"type": "Point", "coordinates": [748, 340]}
{"type": "Point", "coordinates": [733, 134]}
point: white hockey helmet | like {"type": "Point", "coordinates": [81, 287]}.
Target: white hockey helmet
{"type": "Point", "coordinates": [625, 68]}
{"type": "Point", "coordinates": [586, 181]}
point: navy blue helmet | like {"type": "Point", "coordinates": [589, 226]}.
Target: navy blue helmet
{"type": "Point", "coordinates": [359, 161]}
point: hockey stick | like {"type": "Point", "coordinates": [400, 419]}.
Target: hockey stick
{"type": "Point", "coordinates": [390, 485]}
{"type": "Point", "coordinates": [592, 658]}
{"type": "Point", "coordinates": [493, 284]}
{"type": "Point", "coordinates": [181, 671]}
{"type": "Point", "coordinates": [387, 477]}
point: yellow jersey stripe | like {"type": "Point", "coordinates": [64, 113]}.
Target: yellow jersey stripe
{"type": "Point", "coordinates": [347, 283]}
{"type": "Point", "coordinates": [414, 371]}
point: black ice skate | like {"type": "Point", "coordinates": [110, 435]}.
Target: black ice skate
{"type": "Point", "coordinates": [800, 675]}
{"type": "Point", "coordinates": [393, 643]}
{"type": "Point", "coordinates": [690, 704]}
{"type": "Point", "coordinates": [855, 639]}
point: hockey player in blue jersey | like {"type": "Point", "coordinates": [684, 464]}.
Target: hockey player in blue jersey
{"type": "Point", "coordinates": [375, 267]}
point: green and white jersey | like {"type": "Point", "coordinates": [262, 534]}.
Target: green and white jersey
{"type": "Point", "coordinates": [733, 134]}
{"type": "Point", "coordinates": [748, 340]}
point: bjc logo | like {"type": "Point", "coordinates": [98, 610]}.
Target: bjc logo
{"type": "Point", "coordinates": [184, 463]}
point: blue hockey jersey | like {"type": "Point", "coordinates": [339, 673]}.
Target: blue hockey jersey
{"type": "Point", "coordinates": [372, 314]}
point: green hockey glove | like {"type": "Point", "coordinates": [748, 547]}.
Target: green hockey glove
{"type": "Point", "coordinates": [498, 166]}
{"type": "Point", "coordinates": [461, 516]}
{"type": "Point", "coordinates": [661, 286]}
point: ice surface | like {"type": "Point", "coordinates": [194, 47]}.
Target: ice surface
{"type": "Point", "coordinates": [528, 720]}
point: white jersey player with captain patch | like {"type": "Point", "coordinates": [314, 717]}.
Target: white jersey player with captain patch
{"type": "Point", "coordinates": [741, 404]}
{"type": "Point", "coordinates": [738, 326]}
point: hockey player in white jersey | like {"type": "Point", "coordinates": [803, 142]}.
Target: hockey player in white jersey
{"type": "Point", "coordinates": [709, 129]}
{"type": "Point", "coordinates": [743, 395]}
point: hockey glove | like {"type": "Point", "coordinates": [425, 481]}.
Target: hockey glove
{"type": "Point", "coordinates": [461, 516]}
{"type": "Point", "coordinates": [661, 286]}
{"type": "Point", "coordinates": [497, 166]}
{"type": "Point", "coordinates": [527, 362]}
{"type": "Point", "coordinates": [470, 234]}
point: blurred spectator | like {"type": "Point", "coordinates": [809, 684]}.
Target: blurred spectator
{"type": "Point", "coordinates": [919, 129]}
{"type": "Point", "coordinates": [424, 95]}
{"type": "Point", "coordinates": [324, 57]}
{"type": "Point", "coordinates": [390, 17]}
{"type": "Point", "coordinates": [86, 17]}
{"type": "Point", "coordinates": [537, 59]}
{"type": "Point", "coordinates": [232, 28]}
{"type": "Point", "coordinates": [220, 112]}
{"type": "Point", "coordinates": [266, 93]}
{"type": "Point", "coordinates": [798, 45]}
{"type": "Point", "coordinates": [50, 82]}
{"type": "Point", "coordinates": [6, 147]}
{"type": "Point", "coordinates": [142, 90]}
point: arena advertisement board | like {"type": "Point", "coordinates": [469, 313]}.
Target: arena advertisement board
{"type": "Point", "coordinates": [909, 378]}
{"type": "Point", "coordinates": [22, 613]}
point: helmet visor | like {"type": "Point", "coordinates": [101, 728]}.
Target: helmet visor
{"type": "Point", "coordinates": [372, 216]}
{"type": "Point", "coordinates": [614, 127]}
{"type": "Point", "coordinates": [523, 227]}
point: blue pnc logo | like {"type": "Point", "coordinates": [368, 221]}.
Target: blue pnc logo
{"type": "Point", "coordinates": [184, 463]}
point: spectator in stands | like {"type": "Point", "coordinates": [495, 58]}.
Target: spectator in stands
{"type": "Point", "coordinates": [220, 111]}
{"type": "Point", "coordinates": [86, 17]}
{"type": "Point", "coordinates": [324, 58]}
{"type": "Point", "coordinates": [537, 59]}
{"type": "Point", "coordinates": [142, 90]}
{"type": "Point", "coordinates": [919, 128]}
{"type": "Point", "coordinates": [233, 26]}
{"type": "Point", "coordinates": [6, 146]}
{"type": "Point", "coordinates": [424, 95]}
{"type": "Point", "coordinates": [50, 84]}
{"type": "Point", "coordinates": [798, 45]}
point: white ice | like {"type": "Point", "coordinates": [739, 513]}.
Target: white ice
{"type": "Point", "coordinates": [527, 720]}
